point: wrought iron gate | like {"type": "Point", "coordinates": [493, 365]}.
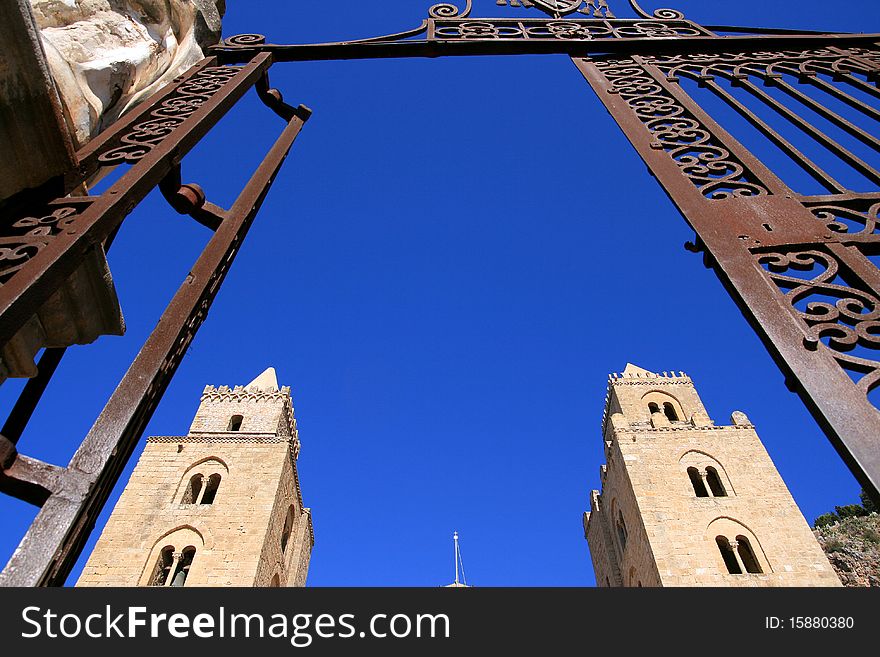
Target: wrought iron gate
{"type": "Point", "coordinates": [799, 265]}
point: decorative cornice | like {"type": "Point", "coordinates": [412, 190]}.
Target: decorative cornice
{"type": "Point", "coordinates": [225, 437]}
{"type": "Point", "coordinates": [647, 428]}
{"type": "Point", "coordinates": [652, 382]}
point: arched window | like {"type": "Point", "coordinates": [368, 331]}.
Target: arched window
{"type": "Point", "coordinates": [669, 411]}
{"type": "Point", "coordinates": [714, 481]}
{"type": "Point", "coordinates": [653, 408]}
{"type": "Point", "coordinates": [211, 489]}
{"type": "Point", "coordinates": [193, 488]}
{"type": "Point", "coordinates": [183, 567]}
{"type": "Point", "coordinates": [621, 531]}
{"type": "Point", "coordinates": [276, 582]}
{"type": "Point", "coordinates": [728, 555]}
{"type": "Point", "coordinates": [163, 567]}
{"type": "Point", "coordinates": [747, 555]}
{"type": "Point", "coordinates": [235, 423]}
{"type": "Point", "coordinates": [288, 526]}
{"type": "Point", "coordinates": [697, 482]}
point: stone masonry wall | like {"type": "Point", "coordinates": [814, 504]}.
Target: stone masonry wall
{"type": "Point", "coordinates": [232, 529]}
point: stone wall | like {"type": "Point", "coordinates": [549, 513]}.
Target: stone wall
{"type": "Point", "coordinates": [107, 55]}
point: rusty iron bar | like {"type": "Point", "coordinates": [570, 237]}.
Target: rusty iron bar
{"type": "Point", "coordinates": [76, 494]}
{"type": "Point", "coordinates": [572, 47]}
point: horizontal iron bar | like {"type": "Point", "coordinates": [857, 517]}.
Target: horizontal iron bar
{"type": "Point", "coordinates": [31, 480]}
{"type": "Point", "coordinates": [573, 47]}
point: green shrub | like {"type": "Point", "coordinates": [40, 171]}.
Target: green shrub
{"type": "Point", "coordinates": [833, 545]}
{"type": "Point", "coordinates": [826, 519]}
{"type": "Point", "coordinates": [850, 511]}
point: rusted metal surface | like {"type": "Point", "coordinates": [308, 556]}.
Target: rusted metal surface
{"type": "Point", "coordinates": [574, 37]}
{"type": "Point", "coordinates": [799, 266]}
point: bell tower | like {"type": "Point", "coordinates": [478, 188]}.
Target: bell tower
{"type": "Point", "coordinates": [220, 506]}
{"type": "Point", "coordinates": [685, 502]}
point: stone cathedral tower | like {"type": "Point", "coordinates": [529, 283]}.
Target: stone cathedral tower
{"type": "Point", "coordinates": [687, 503]}
{"type": "Point", "coordinates": [220, 506]}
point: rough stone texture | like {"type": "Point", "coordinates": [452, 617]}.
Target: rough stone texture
{"type": "Point", "coordinates": [106, 55]}
{"type": "Point", "coordinates": [238, 537]}
{"type": "Point", "coordinates": [853, 548]}
{"type": "Point", "coordinates": [670, 532]}
{"type": "Point", "coordinates": [33, 138]}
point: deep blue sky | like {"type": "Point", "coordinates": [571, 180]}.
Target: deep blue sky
{"type": "Point", "coordinates": [454, 257]}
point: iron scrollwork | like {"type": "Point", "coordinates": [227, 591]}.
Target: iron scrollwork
{"type": "Point", "coordinates": [171, 113]}
{"type": "Point", "coordinates": [29, 235]}
{"type": "Point", "coordinates": [568, 30]}
{"type": "Point", "coordinates": [560, 8]}
{"type": "Point", "coordinates": [659, 14]}
{"type": "Point", "coordinates": [716, 172]}
{"type": "Point", "coordinates": [449, 10]}
{"type": "Point", "coordinates": [835, 311]}
{"type": "Point", "coordinates": [851, 220]}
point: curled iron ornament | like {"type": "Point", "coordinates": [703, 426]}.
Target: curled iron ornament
{"type": "Point", "coordinates": [449, 10]}
{"type": "Point", "coordinates": [659, 14]}
{"type": "Point", "coordinates": [245, 40]}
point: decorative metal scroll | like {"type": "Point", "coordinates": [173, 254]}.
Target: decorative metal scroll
{"type": "Point", "coordinates": [30, 234]}
{"type": "Point", "coordinates": [841, 310]}
{"type": "Point", "coordinates": [712, 168]}
{"type": "Point", "coordinates": [570, 30]}
{"type": "Point", "coordinates": [559, 8]}
{"type": "Point", "coordinates": [169, 115]}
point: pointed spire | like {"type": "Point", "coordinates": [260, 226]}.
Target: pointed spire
{"type": "Point", "coordinates": [635, 370]}
{"type": "Point", "coordinates": [266, 381]}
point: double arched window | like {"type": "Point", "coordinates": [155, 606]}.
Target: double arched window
{"type": "Point", "coordinates": [706, 481]}
{"type": "Point", "coordinates": [738, 555]}
{"type": "Point", "coordinates": [741, 552]}
{"type": "Point", "coordinates": [200, 490]}
{"type": "Point", "coordinates": [201, 482]}
{"type": "Point", "coordinates": [661, 402]}
{"type": "Point", "coordinates": [707, 476]}
{"type": "Point", "coordinates": [172, 567]}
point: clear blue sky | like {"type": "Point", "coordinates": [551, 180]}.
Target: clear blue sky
{"type": "Point", "coordinates": [454, 257]}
